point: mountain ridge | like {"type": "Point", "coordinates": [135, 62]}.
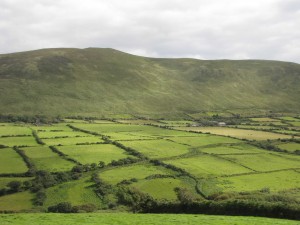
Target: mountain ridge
{"type": "Point", "coordinates": [95, 82]}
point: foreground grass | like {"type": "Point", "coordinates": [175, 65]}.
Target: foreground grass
{"type": "Point", "coordinates": [132, 219]}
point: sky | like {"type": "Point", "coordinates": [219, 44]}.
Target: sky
{"type": "Point", "coordinates": [204, 29]}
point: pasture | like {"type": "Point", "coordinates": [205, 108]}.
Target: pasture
{"type": "Point", "coordinates": [16, 202]}
{"type": "Point", "coordinates": [207, 165]}
{"type": "Point", "coordinates": [274, 181]}
{"type": "Point", "coordinates": [87, 154]}
{"type": "Point", "coordinates": [264, 162]}
{"type": "Point", "coordinates": [5, 180]}
{"type": "Point", "coordinates": [203, 140]}
{"type": "Point", "coordinates": [162, 188]}
{"type": "Point", "coordinates": [157, 148]}
{"type": "Point", "coordinates": [59, 134]}
{"type": "Point", "coordinates": [45, 159]}
{"type": "Point", "coordinates": [232, 149]}
{"type": "Point", "coordinates": [72, 140]}
{"type": "Point", "coordinates": [13, 130]}
{"type": "Point", "coordinates": [238, 133]}
{"type": "Point", "coordinates": [138, 171]}
{"type": "Point", "coordinates": [11, 162]}
{"type": "Point", "coordinates": [77, 192]}
{"type": "Point", "coordinates": [18, 141]}
{"type": "Point", "coordinates": [136, 219]}
{"type": "Point", "coordinates": [291, 146]}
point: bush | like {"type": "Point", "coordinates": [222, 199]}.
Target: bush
{"type": "Point", "coordinates": [63, 207]}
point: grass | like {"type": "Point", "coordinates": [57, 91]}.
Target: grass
{"type": "Point", "coordinates": [240, 133]}
{"type": "Point", "coordinates": [288, 118]}
{"type": "Point", "coordinates": [291, 147]}
{"type": "Point", "coordinates": [72, 140]}
{"type": "Point", "coordinates": [44, 159]}
{"type": "Point", "coordinates": [16, 202]}
{"type": "Point", "coordinates": [107, 82]}
{"type": "Point", "coordinates": [162, 188]}
{"type": "Point", "coordinates": [275, 181]}
{"type": "Point", "coordinates": [207, 165]}
{"type": "Point", "coordinates": [5, 180]}
{"type": "Point", "coordinates": [265, 162]}
{"type": "Point", "coordinates": [54, 128]}
{"type": "Point", "coordinates": [295, 124]}
{"type": "Point", "coordinates": [111, 128]}
{"type": "Point", "coordinates": [87, 154]}
{"type": "Point", "coordinates": [203, 140]}
{"type": "Point", "coordinates": [116, 175]}
{"type": "Point", "coordinates": [18, 141]}
{"type": "Point", "coordinates": [157, 148]}
{"type": "Point", "coordinates": [119, 136]}
{"type": "Point", "coordinates": [77, 192]}
{"type": "Point", "coordinates": [51, 134]}
{"type": "Point", "coordinates": [264, 119]}
{"type": "Point", "coordinates": [136, 219]}
{"type": "Point", "coordinates": [232, 149]}
{"type": "Point", "coordinates": [8, 130]}
{"type": "Point", "coordinates": [11, 162]}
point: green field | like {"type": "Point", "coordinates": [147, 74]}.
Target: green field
{"type": "Point", "coordinates": [291, 147]}
{"type": "Point", "coordinates": [216, 165]}
{"type": "Point", "coordinates": [18, 141]}
{"type": "Point", "coordinates": [5, 180]}
{"type": "Point", "coordinates": [264, 162]}
{"type": "Point", "coordinates": [207, 165]}
{"type": "Point", "coordinates": [137, 219]}
{"type": "Point", "coordinates": [119, 174]}
{"type": "Point", "coordinates": [16, 202]}
{"type": "Point", "coordinates": [275, 181]}
{"type": "Point", "coordinates": [162, 188]}
{"type": "Point", "coordinates": [264, 119]}
{"type": "Point", "coordinates": [45, 159]}
{"type": "Point", "coordinates": [87, 154]}
{"type": "Point", "coordinates": [157, 148]}
{"type": "Point", "coordinates": [11, 162]}
{"type": "Point", "coordinates": [54, 128]}
{"type": "Point", "coordinates": [77, 192]}
{"type": "Point", "coordinates": [288, 118]}
{"type": "Point", "coordinates": [203, 140]}
{"type": "Point", "coordinates": [238, 133]}
{"type": "Point", "coordinates": [51, 134]}
{"type": "Point", "coordinates": [108, 128]}
{"type": "Point", "coordinates": [11, 130]}
{"type": "Point", "coordinates": [296, 124]}
{"type": "Point", "coordinates": [232, 149]}
{"type": "Point", "coordinates": [72, 140]}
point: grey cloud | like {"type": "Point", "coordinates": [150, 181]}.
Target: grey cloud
{"type": "Point", "coordinates": [209, 29]}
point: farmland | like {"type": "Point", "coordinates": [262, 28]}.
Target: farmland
{"type": "Point", "coordinates": [11, 162]}
{"type": "Point", "coordinates": [238, 133]}
{"type": "Point", "coordinates": [93, 153]}
{"type": "Point", "coordinates": [136, 219]}
{"type": "Point", "coordinates": [116, 165]}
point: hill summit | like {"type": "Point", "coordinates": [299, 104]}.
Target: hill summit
{"type": "Point", "coordinates": [98, 82]}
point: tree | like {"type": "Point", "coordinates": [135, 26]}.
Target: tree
{"type": "Point", "coordinates": [14, 186]}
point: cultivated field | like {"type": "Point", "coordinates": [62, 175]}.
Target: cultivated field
{"type": "Point", "coordinates": [238, 133]}
{"type": "Point", "coordinates": [137, 219]}
{"type": "Point", "coordinates": [101, 165]}
{"type": "Point", "coordinates": [11, 162]}
{"type": "Point", "coordinates": [87, 154]}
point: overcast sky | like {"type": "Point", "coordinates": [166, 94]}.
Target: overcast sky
{"type": "Point", "coordinates": [206, 29]}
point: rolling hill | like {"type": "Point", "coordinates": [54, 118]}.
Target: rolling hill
{"type": "Point", "coordinates": [97, 82]}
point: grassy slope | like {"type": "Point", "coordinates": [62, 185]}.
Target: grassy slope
{"type": "Point", "coordinates": [105, 81]}
{"type": "Point", "coordinates": [132, 219]}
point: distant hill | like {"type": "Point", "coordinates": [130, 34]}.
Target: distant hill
{"type": "Point", "coordinates": [95, 82]}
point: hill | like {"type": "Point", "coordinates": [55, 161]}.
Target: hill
{"type": "Point", "coordinates": [97, 82]}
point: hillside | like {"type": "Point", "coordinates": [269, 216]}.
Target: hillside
{"type": "Point", "coordinates": [96, 82]}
